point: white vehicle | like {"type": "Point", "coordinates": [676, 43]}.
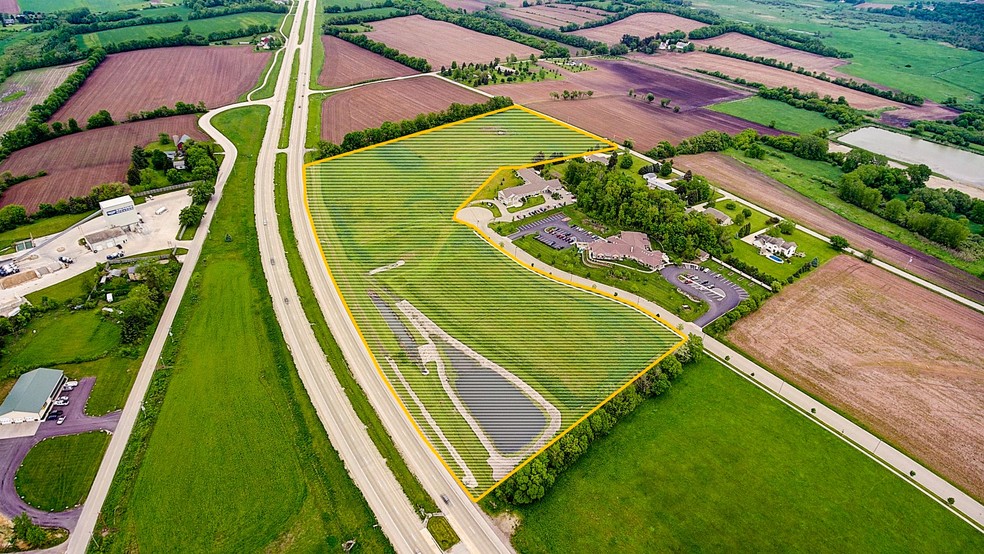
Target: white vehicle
{"type": "Point", "coordinates": [71, 383]}
{"type": "Point", "coordinates": [60, 402]}
{"type": "Point", "coordinates": [161, 210]}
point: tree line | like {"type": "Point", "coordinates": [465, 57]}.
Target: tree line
{"type": "Point", "coordinates": [767, 33]}
{"type": "Point", "coordinates": [355, 18]}
{"type": "Point", "coordinates": [896, 95]}
{"type": "Point", "coordinates": [419, 64]}
{"type": "Point", "coordinates": [389, 131]}
{"type": "Point", "coordinates": [252, 6]}
{"type": "Point", "coordinates": [533, 480]}
{"type": "Point", "coordinates": [335, 8]}
{"type": "Point", "coordinates": [967, 128]}
{"type": "Point", "coordinates": [650, 44]}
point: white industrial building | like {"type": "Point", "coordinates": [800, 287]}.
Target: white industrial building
{"type": "Point", "coordinates": [31, 396]}
{"type": "Point", "coordinates": [120, 212]}
{"type": "Point", "coordinates": [107, 238]}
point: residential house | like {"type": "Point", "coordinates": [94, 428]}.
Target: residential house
{"type": "Point", "coordinates": [719, 216]}
{"type": "Point", "coordinates": [774, 245]}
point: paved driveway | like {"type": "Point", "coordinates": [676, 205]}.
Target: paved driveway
{"type": "Point", "coordinates": [720, 294]}
{"type": "Point", "coordinates": [13, 451]}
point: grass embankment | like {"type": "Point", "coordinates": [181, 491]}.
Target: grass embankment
{"type": "Point", "coordinates": [318, 51]}
{"type": "Point", "coordinates": [442, 532]}
{"type": "Point", "coordinates": [802, 176]}
{"type": "Point", "coordinates": [58, 472]}
{"type": "Point", "coordinates": [737, 470]}
{"type": "Point", "coordinates": [314, 123]}
{"type": "Point", "coordinates": [41, 228]}
{"type": "Point", "coordinates": [778, 115]}
{"type": "Point", "coordinates": [462, 283]}
{"type": "Point", "coordinates": [229, 454]}
{"type": "Point", "coordinates": [289, 106]}
{"type": "Point", "coordinates": [387, 448]}
{"type": "Point", "coordinates": [272, 70]}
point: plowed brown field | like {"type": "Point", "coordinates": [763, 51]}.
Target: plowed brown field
{"type": "Point", "coordinates": [611, 113]}
{"type": "Point", "coordinates": [348, 64]}
{"type": "Point", "coordinates": [76, 163]}
{"type": "Point", "coordinates": [442, 43]}
{"type": "Point", "coordinates": [372, 105]}
{"type": "Point", "coordinates": [554, 15]}
{"type": "Point", "coordinates": [903, 360]}
{"type": "Point", "coordinates": [641, 25]}
{"type": "Point", "coordinates": [149, 79]}
{"type": "Point", "coordinates": [37, 84]}
{"type": "Point", "coordinates": [467, 5]}
{"type": "Point", "coordinates": [752, 46]}
{"type": "Point", "coordinates": [9, 6]}
{"type": "Point", "coordinates": [751, 185]}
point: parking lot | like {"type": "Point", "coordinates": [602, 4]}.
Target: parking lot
{"type": "Point", "coordinates": [556, 232]}
{"type": "Point", "coordinates": [720, 294]}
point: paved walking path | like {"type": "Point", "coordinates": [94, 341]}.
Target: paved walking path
{"type": "Point", "coordinates": [13, 452]}
{"type": "Point", "coordinates": [924, 479]}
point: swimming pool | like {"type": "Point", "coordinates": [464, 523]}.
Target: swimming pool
{"type": "Point", "coordinates": [774, 258]}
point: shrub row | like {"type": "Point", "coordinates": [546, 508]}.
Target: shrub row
{"type": "Point", "coordinates": [420, 64]}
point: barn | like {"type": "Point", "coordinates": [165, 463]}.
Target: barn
{"type": "Point", "coordinates": [31, 396]}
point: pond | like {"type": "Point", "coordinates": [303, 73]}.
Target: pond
{"type": "Point", "coordinates": [959, 165]}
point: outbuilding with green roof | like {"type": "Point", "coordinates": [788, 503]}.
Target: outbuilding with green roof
{"type": "Point", "coordinates": [31, 396]}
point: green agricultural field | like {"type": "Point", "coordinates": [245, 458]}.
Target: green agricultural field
{"type": "Point", "coordinates": [804, 176]}
{"type": "Point", "coordinates": [63, 337]}
{"type": "Point", "coordinates": [718, 465]}
{"type": "Point", "coordinates": [58, 472]}
{"type": "Point", "coordinates": [198, 26]}
{"type": "Point", "coordinates": [230, 455]}
{"type": "Point", "coordinates": [395, 202]}
{"type": "Point", "coordinates": [776, 114]}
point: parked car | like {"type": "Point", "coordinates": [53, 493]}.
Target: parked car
{"type": "Point", "coordinates": [60, 402]}
{"type": "Point", "coordinates": [63, 397]}
{"type": "Point", "coordinates": [115, 256]}
{"type": "Point", "coordinates": [56, 413]}
{"type": "Point", "coordinates": [72, 384]}
{"type": "Point", "coordinates": [52, 417]}
{"type": "Point", "coordinates": [60, 420]}
{"type": "Point", "coordinates": [66, 260]}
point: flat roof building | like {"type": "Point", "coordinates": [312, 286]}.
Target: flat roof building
{"type": "Point", "coordinates": [107, 238]}
{"type": "Point", "coordinates": [119, 212]}
{"type": "Point", "coordinates": [31, 396]}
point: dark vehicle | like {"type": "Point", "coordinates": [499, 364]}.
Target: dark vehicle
{"type": "Point", "coordinates": [56, 413]}
{"type": "Point", "coordinates": [445, 498]}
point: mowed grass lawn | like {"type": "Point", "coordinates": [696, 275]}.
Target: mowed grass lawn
{"type": "Point", "coordinates": [38, 229]}
{"type": "Point", "coordinates": [397, 201]}
{"type": "Point", "coordinates": [58, 472]}
{"type": "Point", "coordinates": [198, 26]}
{"type": "Point", "coordinates": [63, 337]}
{"type": "Point", "coordinates": [806, 244]}
{"type": "Point", "coordinates": [718, 465]}
{"type": "Point", "coordinates": [776, 114]}
{"type": "Point", "coordinates": [237, 460]}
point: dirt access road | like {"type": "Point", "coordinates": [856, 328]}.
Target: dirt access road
{"type": "Point", "coordinates": [757, 188]}
{"type": "Point", "coordinates": [902, 360]}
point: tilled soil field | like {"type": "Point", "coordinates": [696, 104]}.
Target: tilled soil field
{"type": "Point", "coordinates": [372, 105]}
{"type": "Point", "coordinates": [36, 84]}
{"type": "Point", "coordinates": [906, 362]}
{"type": "Point", "coordinates": [610, 111]}
{"type": "Point", "coordinates": [9, 6]}
{"type": "Point", "coordinates": [348, 64]}
{"type": "Point", "coordinates": [554, 15]}
{"type": "Point", "coordinates": [760, 189]}
{"type": "Point", "coordinates": [752, 46]}
{"type": "Point", "coordinates": [148, 79]}
{"type": "Point", "coordinates": [467, 5]}
{"type": "Point", "coordinates": [76, 163]}
{"type": "Point", "coordinates": [640, 25]}
{"type": "Point", "coordinates": [442, 43]}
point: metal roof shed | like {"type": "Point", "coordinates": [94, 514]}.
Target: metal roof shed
{"type": "Point", "coordinates": [31, 395]}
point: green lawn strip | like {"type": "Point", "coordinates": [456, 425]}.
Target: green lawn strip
{"type": "Point", "coordinates": [188, 233]}
{"type": "Point", "coordinates": [300, 38]}
{"type": "Point", "coordinates": [503, 179]}
{"type": "Point", "coordinates": [13, 96]}
{"type": "Point", "coordinates": [114, 378]}
{"type": "Point", "coordinates": [272, 70]}
{"type": "Point", "coordinates": [40, 228]}
{"type": "Point", "coordinates": [776, 114]}
{"type": "Point", "coordinates": [408, 481]}
{"type": "Point", "coordinates": [704, 468]}
{"type": "Point", "coordinates": [198, 26]}
{"type": "Point", "coordinates": [60, 337]}
{"type": "Point", "coordinates": [443, 532]}
{"type": "Point", "coordinates": [58, 472]}
{"type": "Point", "coordinates": [289, 106]}
{"type": "Point", "coordinates": [317, 53]}
{"type": "Point", "coordinates": [314, 122]}
{"type": "Point", "coordinates": [530, 202]}
{"type": "Point", "coordinates": [651, 286]}
{"type": "Point", "coordinates": [251, 468]}
{"type": "Point", "coordinates": [69, 289]}
{"type": "Point", "coordinates": [805, 244]}
{"type": "Point", "coordinates": [800, 175]}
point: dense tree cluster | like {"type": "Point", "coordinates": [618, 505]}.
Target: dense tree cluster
{"type": "Point", "coordinates": [838, 110]}
{"type": "Point", "coordinates": [938, 215]}
{"type": "Point", "coordinates": [898, 96]}
{"type": "Point", "coordinates": [355, 18]}
{"type": "Point", "coordinates": [533, 480]}
{"type": "Point", "coordinates": [389, 131]}
{"type": "Point", "coordinates": [650, 44]}
{"type": "Point", "coordinates": [420, 64]}
{"type": "Point", "coordinates": [616, 199]}
{"type": "Point", "coordinates": [967, 128]}
{"type": "Point", "coordinates": [358, 7]}
{"type": "Point", "coordinates": [481, 74]}
{"type": "Point", "coordinates": [203, 12]}
{"type": "Point", "coordinates": [961, 23]}
{"type": "Point", "coordinates": [180, 108]}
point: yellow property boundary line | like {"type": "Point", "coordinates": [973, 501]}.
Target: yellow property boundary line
{"type": "Point", "coordinates": [611, 147]}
